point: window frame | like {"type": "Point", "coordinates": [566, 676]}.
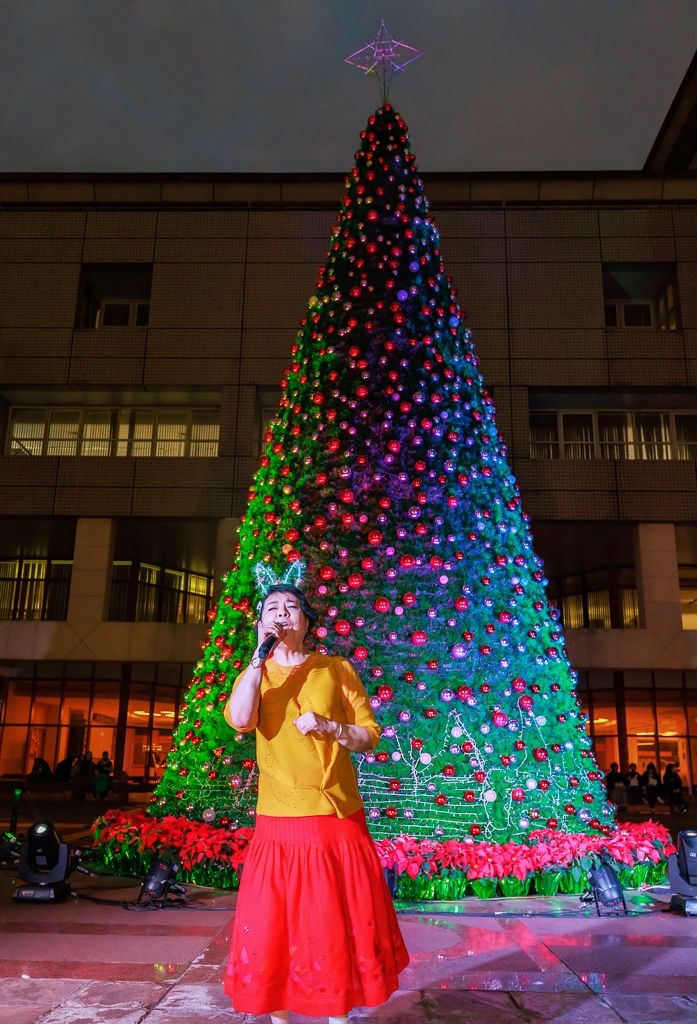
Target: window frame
{"type": "Point", "coordinates": [122, 423]}
{"type": "Point", "coordinates": [134, 305]}
{"type": "Point", "coordinates": [673, 447]}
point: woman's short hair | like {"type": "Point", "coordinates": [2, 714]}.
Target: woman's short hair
{"type": "Point", "coordinates": [286, 588]}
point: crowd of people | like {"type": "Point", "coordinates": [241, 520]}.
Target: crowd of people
{"type": "Point", "coordinates": [79, 772]}
{"type": "Point", "coordinates": [631, 788]}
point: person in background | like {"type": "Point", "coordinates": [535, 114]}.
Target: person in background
{"type": "Point", "coordinates": [672, 787]}
{"type": "Point", "coordinates": [616, 786]}
{"type": "Point", "coordinates": [101, 776]}
{"type": "Point", "coordinates": [63, 769]}
{"type": "Point", "coordinates": [651, 784]}
{"type": "Point", "coordinates": [633, 780]}
{"type": "Point", "coordinates": [40, 771]}
{"type": "Point", "coordinates": [81, 775]}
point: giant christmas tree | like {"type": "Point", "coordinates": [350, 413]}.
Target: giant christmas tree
{"type": "Point", "coordinates": [385, 473]}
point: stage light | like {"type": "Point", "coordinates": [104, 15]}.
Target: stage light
{"type": "Point", "coordinates": [44, 862]}
{"type": "Point", "coordinates": [682, 873]}
{"type": "Point", "coordinates": [9, 848]}
{"type": "Point", "coordinates": [687, 856]}
{"type": "Point", "coordinates": [606, 889]}
{"type": "Point", "coordinates": [160, 878]}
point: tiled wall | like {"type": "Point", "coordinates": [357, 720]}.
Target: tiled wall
{"type": "Point", "coordinates": [230, 285]}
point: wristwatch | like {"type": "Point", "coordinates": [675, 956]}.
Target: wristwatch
{"type": "Point", "coordinates": [256, 662]}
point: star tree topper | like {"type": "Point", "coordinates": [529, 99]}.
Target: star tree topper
{"type": "Point", "coordinates": [383, 58]}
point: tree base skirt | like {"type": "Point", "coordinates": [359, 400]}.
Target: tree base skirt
{"type": "Point", "coordinates": [551, 862]}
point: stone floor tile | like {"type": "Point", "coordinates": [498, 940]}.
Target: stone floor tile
{"type": "Point", "coordinates": [636, 984]}
{"type": "Point", "coordinates": [34, 992]}
{"type": "Point", "coordinates": [197, 1001]}
{"type": "Point", "coordinates": [516, 1008]}
{"type": "Point", "coordinates": [653, 1009]}
{"type": "Point", "coordinates": [17, 1015]}
{"type": "Point", "coordinates": [128, 995]}
{"type": "Point", "coordinates": [68, 1014]}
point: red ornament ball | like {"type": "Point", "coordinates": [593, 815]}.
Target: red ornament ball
{"type": "Point", "coordinates": [518, 794]}
{"type": "Point", "coordinates": [475, 830]}
{"type": "Point", "coordinates": [540, 754]}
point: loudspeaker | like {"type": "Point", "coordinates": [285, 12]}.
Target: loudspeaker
{"type": "Point", "coordinates": [687, 855]}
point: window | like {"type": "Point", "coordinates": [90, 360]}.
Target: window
{"type": "Point", "coordinates": [34, 588]}
{"type": "Point", "coordinates": [613, 434]}
{"type": "Point", "coordinates": [105, 432]}
{"type": "Point", "coordinates": [122, 313]}
{"type": "Point", "coordinates": [578, 435]}
{"type": "Point", "coordinates": [601, 599]}
{"type": "Point", "coordinates": [544, 435]}
{"type": "Point", "coordinates": [688, 595]}
{"type": "Point", "coordinates": [114, 295]}
{"type": "Point", "coordinates": [686, 435]}
{"type": "Point", "coordinates": [141, 592]}
{"type": "Point", "coordinates": [59, 715]}
{"type": "Point", "coordinates": [640, 295]}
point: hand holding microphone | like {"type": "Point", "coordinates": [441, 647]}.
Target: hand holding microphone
{"type": "Point", "coordinates": [268, 643]}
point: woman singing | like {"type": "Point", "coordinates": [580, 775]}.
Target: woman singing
{"type": "Point", "coordinates": [315, 931]}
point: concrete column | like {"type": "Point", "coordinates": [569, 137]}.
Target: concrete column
{"type": "Point", "coordinates": [91, 578]}
{"type": "Point", "coordinates": [225, 548]}
{"type": "Point", "coordinates": [658, 579]}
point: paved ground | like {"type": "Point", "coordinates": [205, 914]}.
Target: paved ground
{"type": "Point", "coordinates": [497, 961]}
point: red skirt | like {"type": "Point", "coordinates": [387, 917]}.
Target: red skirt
{"type": "Point", "coordinates": [315, 930]}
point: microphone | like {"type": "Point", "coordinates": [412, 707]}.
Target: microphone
{"type": "Point", "coordinates": [268, 645]}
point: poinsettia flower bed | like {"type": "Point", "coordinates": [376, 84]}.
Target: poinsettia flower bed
{"type": "Point", "coordinates": [550, 862]}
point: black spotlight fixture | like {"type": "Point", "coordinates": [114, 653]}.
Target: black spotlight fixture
{"type": "Point", "coordinates": [682, 873]}
{"type": "Point", "coordinates": [160, 879]}
{"type": "Point", "coordinates": [44, 864]}
{"type": "Point", "coordinates": [606, 889]}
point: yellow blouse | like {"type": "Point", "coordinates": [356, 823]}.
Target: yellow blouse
{"type": "Point", "coordinates": [302, 775]}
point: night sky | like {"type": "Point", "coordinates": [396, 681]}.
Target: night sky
{"type": "Point", "coordinates": [261, 85]}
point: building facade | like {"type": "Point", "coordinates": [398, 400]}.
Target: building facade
{"type": "Point", "coordinates": [144, 325]}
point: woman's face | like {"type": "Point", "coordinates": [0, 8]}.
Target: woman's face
{"type": "Point", "coordinates": [284, 608]}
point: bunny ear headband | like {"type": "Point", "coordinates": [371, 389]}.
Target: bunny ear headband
{"type": "Point", "coordinates": [266, 578]}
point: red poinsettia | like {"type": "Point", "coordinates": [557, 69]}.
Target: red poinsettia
{"type": "Point", "coordinates": [198, 844]}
